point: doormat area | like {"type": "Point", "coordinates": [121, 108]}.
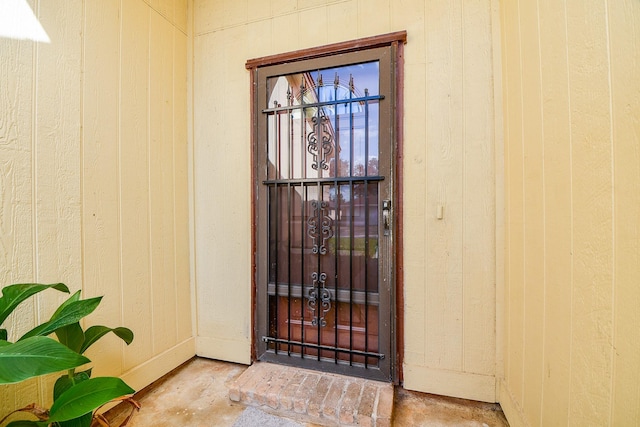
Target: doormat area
{"type": "Point", "coordinates": [316, 397]}
{"type": "Point", "coordinates": [253, 417]}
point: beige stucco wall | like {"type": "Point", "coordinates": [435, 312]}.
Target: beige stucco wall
{"type": "Point", "coordinates": [449, 160]}
{"type": "Point", "coordinates": [572, 257]}
{"type": "Point", "coordinates": [93, 178]}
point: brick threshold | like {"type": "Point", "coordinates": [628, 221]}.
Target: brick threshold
{"type": "Point", "coordinates": [314, 397]}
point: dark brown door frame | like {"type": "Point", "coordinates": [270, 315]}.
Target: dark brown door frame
{"type": "Point", "coordinates": [396, 40]}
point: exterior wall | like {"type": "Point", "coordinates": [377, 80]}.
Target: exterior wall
{"type": "Point", "coordinates": [93, 178]}
{"type": "Point", "coordinates": [449, 160]}
{"type": "Point", "coordinates": [572, 256]}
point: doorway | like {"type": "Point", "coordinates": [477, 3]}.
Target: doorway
{"type": "Point", "coordinates": [324, 213]}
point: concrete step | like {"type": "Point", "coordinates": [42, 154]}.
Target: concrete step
{"type": "Point", "coordinates": [315, 397]}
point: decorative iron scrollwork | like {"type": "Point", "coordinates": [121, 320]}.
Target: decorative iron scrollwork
{"type": "Point", "coordinates": [319, 293]}
{"type": "Point", "coordinates": [319, 226]}
{"type": "Point", "coordinates": [320, 142]}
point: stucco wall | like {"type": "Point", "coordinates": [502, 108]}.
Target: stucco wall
{"type": "Point", "coordinates": [449, 160]}
{"type": "Point", "coordinates": [93, 178]}
{"type": "Point", "coordinates": [572, 257]}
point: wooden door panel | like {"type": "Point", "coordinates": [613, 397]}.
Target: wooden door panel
{"type": "Point", "coordinates": [357, 329]}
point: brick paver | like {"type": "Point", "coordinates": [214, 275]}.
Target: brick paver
{"type": "Point", "coordinates": [289, 392]}
{"type": "Point", "coordinates": [315, 402]}
{"type": "Point", "coordinates": [349, 405]}
{"type": "Point", "coordinates": [301, 399]}
{"type": "Point", "coordinates": [316, 397]}
{"type": "Point", "coordinates": [265, 384]}
{"type": "Point", "coordinates": [367, 405]}
{"type": "Point", "coordinates": [333, 398]}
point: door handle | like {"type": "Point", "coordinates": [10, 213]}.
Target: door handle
{"type": "Point", "coordinates": [386, 216]}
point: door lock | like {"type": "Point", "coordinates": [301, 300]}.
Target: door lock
{"type": "Point", "coordinates": [386, 216]}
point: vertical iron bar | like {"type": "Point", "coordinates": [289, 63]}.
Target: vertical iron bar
{"type": "Point", "coordinates": [366, 134]}
{"type": "Point", "coordinates": [291, 149]}
{"type": "Point", "coordinates": [303, 199]}
{"type": "Point", "coordinates": [351, 137]}
{"type": "Point", "coordinates": [278, 160]}
{"type": "Point", "coordinates": [319, 142]}
{"type": "Point", "coordinates": [351, 247]}
{"type": "Point", "coordinates": [366, 271]}
{"type": "Point", "coordinates": [289, 268]}
{"type": "Point", "coordinates": [270, 260]}
{"type": "Point", "coordinates": [276, 245]}
{"type": "Point", "coordinates": [366, 229]}
{"type": "Point", "coordinates": [337, 265]}
{"type": "Point", "coordinates": [336, 126]}
{"type": "Point", "coordinates": [351, 220]}
{"type": "Point", "coordinates": [290, 132]}
{"type": "Point", "coordinates": [319, 306]}
{"type": "Point", "coordinates": [291, 176]}
{"type": "Point", "coordinates": [303, 129]}
{"type": "Point", "coordinates": [338, 219]}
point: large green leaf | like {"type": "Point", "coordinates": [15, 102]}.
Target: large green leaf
{"type": "Point", "coordinates": [86, 396]}
{"type": "Point", "coordinates": [94, 333]}
{"type": "Point", "coordinates": [35, 356]}
{"type": "Point", "coordinates": [73, 298]}
{"type": "Point", "coordinates": [13, 295]}
{"type": "Point", "coordinates": [72, 336]}
{"type": "Point", "coordinates": [71, 313]}
{"type": "Point", "coordinates": [65, 382]}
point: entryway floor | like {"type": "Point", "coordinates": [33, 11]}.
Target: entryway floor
{"type": "Point", "coordinates": [197, 395]}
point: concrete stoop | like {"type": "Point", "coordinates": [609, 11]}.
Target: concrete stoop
{"type": "Point", "coordinates": [315, 397]}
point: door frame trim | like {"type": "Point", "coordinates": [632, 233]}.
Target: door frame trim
{"type": "Point", "coordinates": [396, 40]}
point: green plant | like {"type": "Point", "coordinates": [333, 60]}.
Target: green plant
{"type": "Point", "coordinates": [75, 395]}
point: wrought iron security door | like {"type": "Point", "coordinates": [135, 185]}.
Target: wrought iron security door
{"type": "Point", "coordinates": [324, 214]}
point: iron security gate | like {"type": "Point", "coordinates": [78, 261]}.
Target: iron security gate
{"type": "Point", "coordinates": [324, 234]}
